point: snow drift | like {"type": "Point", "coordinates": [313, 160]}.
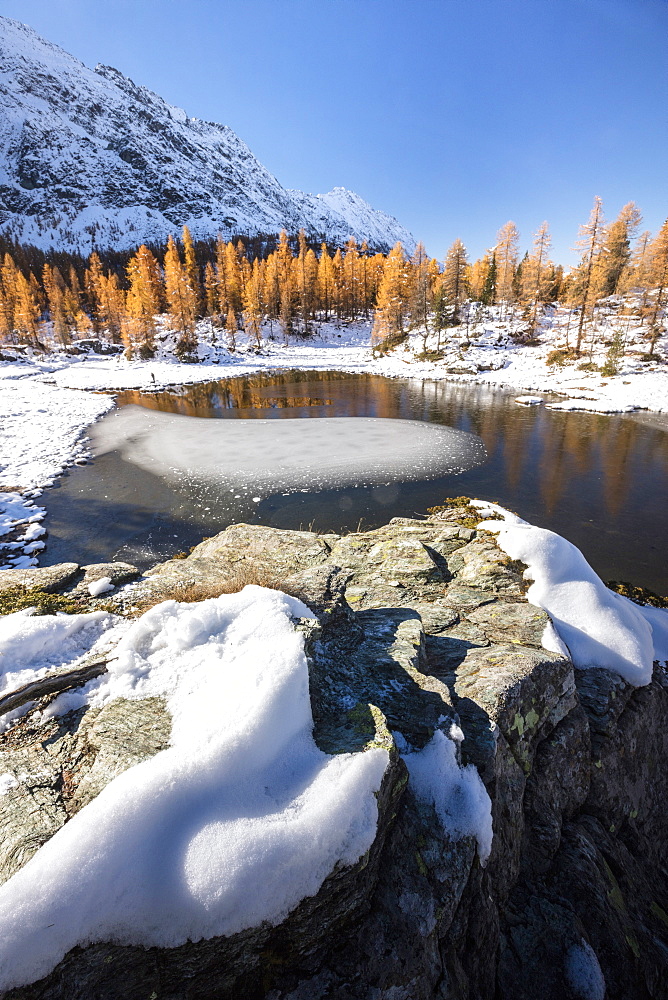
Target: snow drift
{"type": "Point", "coordinates": [598, 627]}
{"type": "Point", "coordinates": [235, 823]}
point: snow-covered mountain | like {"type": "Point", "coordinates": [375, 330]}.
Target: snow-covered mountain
{"type": "Point", "coordinates": [90, 159]}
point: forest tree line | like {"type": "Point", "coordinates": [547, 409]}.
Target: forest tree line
{"type": "Point", "coordinates": [293, 288]}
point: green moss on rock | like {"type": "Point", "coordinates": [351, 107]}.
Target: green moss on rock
{"type": "Point", "coordinates": [18, 598]}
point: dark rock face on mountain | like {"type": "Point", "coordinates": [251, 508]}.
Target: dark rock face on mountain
{"type": "Point", "coordinates": [420, 624]}
{"type": "Point", "coordinates": [88, 159]}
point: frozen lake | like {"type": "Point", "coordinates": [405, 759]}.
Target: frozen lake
{"type": "Point", "coordinates": [328, 450]}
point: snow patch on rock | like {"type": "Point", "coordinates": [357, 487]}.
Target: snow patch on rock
{"type": "Point", "coordinates": [457, 793]}
{"type": "Point", "coordinates": [232, 825]}
{"type": "Point", "coordinates": [599, 627]}
{"type": "Point", "coordinates": [101, 586]}
{"type": "Point", "coordinates": [583, 972]}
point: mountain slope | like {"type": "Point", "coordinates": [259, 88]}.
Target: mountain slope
{"type": "Point", "coordinates": [90, 159]}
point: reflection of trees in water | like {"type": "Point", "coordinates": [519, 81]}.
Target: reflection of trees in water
{"type": "Point", "coordinates": [631, 454]}
{"type": "Point", "coordinates": [616, 452]}
{"type": "Point", "coordinates": [515, 457]}
{"type": "Point", "coordinates": [208, 399]}
{"type": "Point", "coordinates": [581, 439]}
{"type": "Point", "coordinates": [570, 452]}
{"type": "Point", "coordinates": [555, 453]}
{"type": "Point", "coordinates": [616, 462]}
{"type": "Point", "coordinates": [554, 462]}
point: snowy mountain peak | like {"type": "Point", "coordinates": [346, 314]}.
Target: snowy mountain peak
{"type": "Point", "coordinates": [355, 210]}
{"type": "Point", "coordinates": [90, 159]}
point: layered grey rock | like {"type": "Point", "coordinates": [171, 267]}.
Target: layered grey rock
{"type": "Point", "coordinates": [66, 577]}
{"type": "Point", "coordinates": [50, 579]}
{"type": "Point", "coordinates": [420, 624]}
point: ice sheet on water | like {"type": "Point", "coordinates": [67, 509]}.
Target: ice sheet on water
{"type": "Point", "coordinates": [291, 454]}
{"type": "Point", "coordinates": [529, 400]}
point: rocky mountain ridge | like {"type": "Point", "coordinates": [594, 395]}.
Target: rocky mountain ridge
{"type": "Point", "coordinates": [89, 159]}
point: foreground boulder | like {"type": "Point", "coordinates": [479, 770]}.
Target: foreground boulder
{"type": "Point", "coordinates": [421, 625]}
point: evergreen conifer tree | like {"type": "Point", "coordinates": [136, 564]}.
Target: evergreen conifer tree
{"type": "Point", "coordinates": [454, 279]}
{"type": "Point", "coordinates": [488, 295]}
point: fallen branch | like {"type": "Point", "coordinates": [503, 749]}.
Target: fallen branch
{"type": "Point", "coordinates": [52, 684]}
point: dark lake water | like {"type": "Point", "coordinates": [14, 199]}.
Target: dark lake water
{"type": "Point", "coordinates": [599, 480]}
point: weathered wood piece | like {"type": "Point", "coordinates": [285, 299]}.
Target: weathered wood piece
{"type": "Point", "coordinates": [52, 684]}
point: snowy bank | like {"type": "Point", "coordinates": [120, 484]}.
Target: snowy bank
{"type": "Point", "coordinates": [42, 434]}
{"type": "Point", "coordinates": [487, 348]}
{"type": "Point", "coordinates": [597, 627]}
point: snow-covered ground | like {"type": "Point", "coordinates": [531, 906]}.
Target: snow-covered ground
{"type": "Point", "coordinates": [47, 402]}
{"type": "Point", "coordinates": [484, 351]}
{"type": "Point", "coordinates": [41, 434]}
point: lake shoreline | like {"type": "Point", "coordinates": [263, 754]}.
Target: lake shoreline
{"type": "Point", "coordinates": [49, 403]}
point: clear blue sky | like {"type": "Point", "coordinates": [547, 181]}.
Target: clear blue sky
{"type": "Point", "coordinates": [453, 115]}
